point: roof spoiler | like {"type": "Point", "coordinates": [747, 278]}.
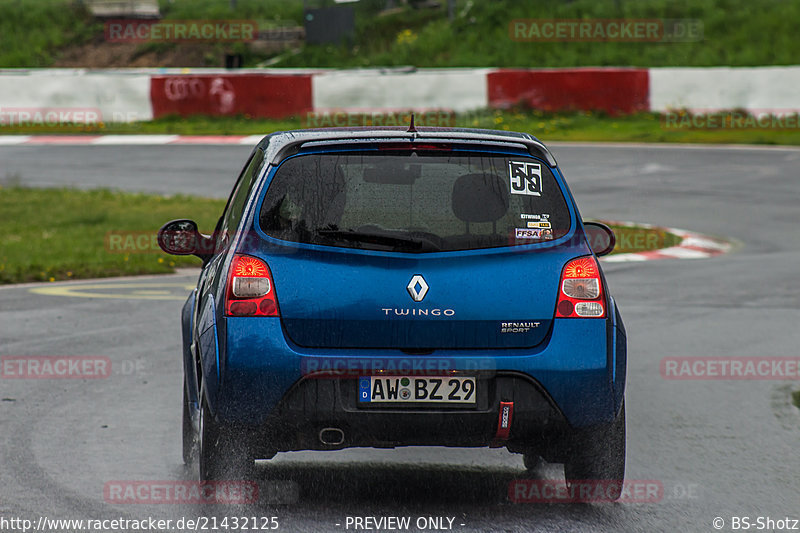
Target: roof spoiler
{"type": "Point", "coordinates": [292, 146]}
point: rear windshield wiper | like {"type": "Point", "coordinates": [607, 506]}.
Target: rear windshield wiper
{"type": "Point", "coordinates": [398, 242]}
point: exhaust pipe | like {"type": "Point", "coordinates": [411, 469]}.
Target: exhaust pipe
{"type": "Point", "coordinates": [331, 436]}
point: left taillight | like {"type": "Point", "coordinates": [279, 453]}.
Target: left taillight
{"type": "Point", "coordinates": [250, 290]}
{"type": "Point", "coordinates": [580, 292]}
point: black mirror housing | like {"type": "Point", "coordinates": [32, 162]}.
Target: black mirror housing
{"type": "Point", "coordinates": [181, 237]}
{"type": "Point", "coordinates": [601, 238]}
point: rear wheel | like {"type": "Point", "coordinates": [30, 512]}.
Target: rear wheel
{"type": "Point", "coordinates": [600, 456]}
{"type": "Point", "coordinates": [190, 441]}
{"type": "Point", "coordinates": [223, 453]}
{"type": "Point", "coordinates": [532, 461]}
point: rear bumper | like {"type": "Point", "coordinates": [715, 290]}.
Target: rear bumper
{"type": "Point", "coordinates": [575, 379]}
{"type": "Point", "coordinates": [313, 405]}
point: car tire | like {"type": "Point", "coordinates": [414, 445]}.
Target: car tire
{"type": "Point", "coordinates": [190, 438]}
{"type": "Point", "coordinates": [532, 461]}
{"type": "Point", "coordinates": [222, 452]}
{"type": "Point", "coordinates": [600, 455]}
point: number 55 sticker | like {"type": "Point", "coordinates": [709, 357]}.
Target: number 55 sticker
{"type": "Point", "coordinates": [526, 178]}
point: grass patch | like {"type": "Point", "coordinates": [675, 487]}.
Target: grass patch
{"type": "Point", "coordinates": [641, 127]}
{"type": "Point", "coordinates": [77, 234]}
{"type": "Point", "coordinates": [633, 239]}
{"type": "Point", "coordinates": [735, 33]}
{"type": "Point", "coordinates": [796, 398]}
{"type": "Point", "coordinates": [566, 126]}
{"type": "Point", "coordinates": [33, 31]}
{"type": "Point", "coordinates": [58, 234]}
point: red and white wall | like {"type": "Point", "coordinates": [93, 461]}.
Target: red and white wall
{"type": "Point", "coordinates": [134, 94]}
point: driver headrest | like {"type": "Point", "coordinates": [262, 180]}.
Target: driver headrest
{"type": "Point", "coordinates": [480, 198]}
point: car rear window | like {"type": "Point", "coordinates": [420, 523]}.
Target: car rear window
{"type": "Point", "coordinates": [414, 202]}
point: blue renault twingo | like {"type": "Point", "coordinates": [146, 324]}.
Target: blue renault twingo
{"type": "Point", "coordinates": [387, 287]}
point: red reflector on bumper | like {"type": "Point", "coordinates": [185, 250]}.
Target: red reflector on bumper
{"type": "Point", "coordinates": [504, 420]}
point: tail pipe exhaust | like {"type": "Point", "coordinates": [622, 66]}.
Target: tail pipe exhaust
{"type": "Point", "coordinates": [331, 436]}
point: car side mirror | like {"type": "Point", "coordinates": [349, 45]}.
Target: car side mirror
{"type": "Point", "coordinates": [181, 237]}
{"type": "Point", "coordinates": [601, 238]}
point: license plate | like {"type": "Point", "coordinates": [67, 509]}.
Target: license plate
{"type": "Point", "coordinates": [403, 389]}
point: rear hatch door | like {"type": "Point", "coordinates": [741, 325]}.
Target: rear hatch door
{"type": "Point", "coordinates": [416, 250]}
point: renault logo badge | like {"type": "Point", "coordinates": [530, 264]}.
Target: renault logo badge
{"type": "Point", "coordinates": [417, 288]}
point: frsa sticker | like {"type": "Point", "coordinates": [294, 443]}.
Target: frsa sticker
{"type": "Point", "coordinates": [525, 233]}
{"type": "Point", "coordinates": [525, 178]}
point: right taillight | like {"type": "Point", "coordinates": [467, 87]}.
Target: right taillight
{"type": "Point", "coordinates": [580, 292]}
{"type": "Point", "coordinates": [250, 291]}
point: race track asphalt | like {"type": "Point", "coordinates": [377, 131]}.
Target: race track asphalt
{"type": "Point", "coordinates": [719, 448]}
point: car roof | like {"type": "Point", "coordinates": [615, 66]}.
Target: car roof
{"type": "Point", "coordinates": [281, 144]}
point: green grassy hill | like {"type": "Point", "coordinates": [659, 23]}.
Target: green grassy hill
{"type": "Point", "coordinates": [33, 33]}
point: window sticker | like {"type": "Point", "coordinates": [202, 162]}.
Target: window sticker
{"type": "Point", "coordinates": [526, 233]}
{"type": "Point", "coordinates": [538, 224]}
{"type": "Point", "coordinates": [525, 178]}
{"type": "Point", "coordinates": [543, 216]}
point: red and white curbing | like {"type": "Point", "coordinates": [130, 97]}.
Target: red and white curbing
{"type": "Point", "coordinates": [132, 95]}
{"type": "Point", "coordinates": [692, 246]}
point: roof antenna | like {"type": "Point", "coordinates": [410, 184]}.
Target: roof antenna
{"type": "Point", "coordinates": [411, 128]}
